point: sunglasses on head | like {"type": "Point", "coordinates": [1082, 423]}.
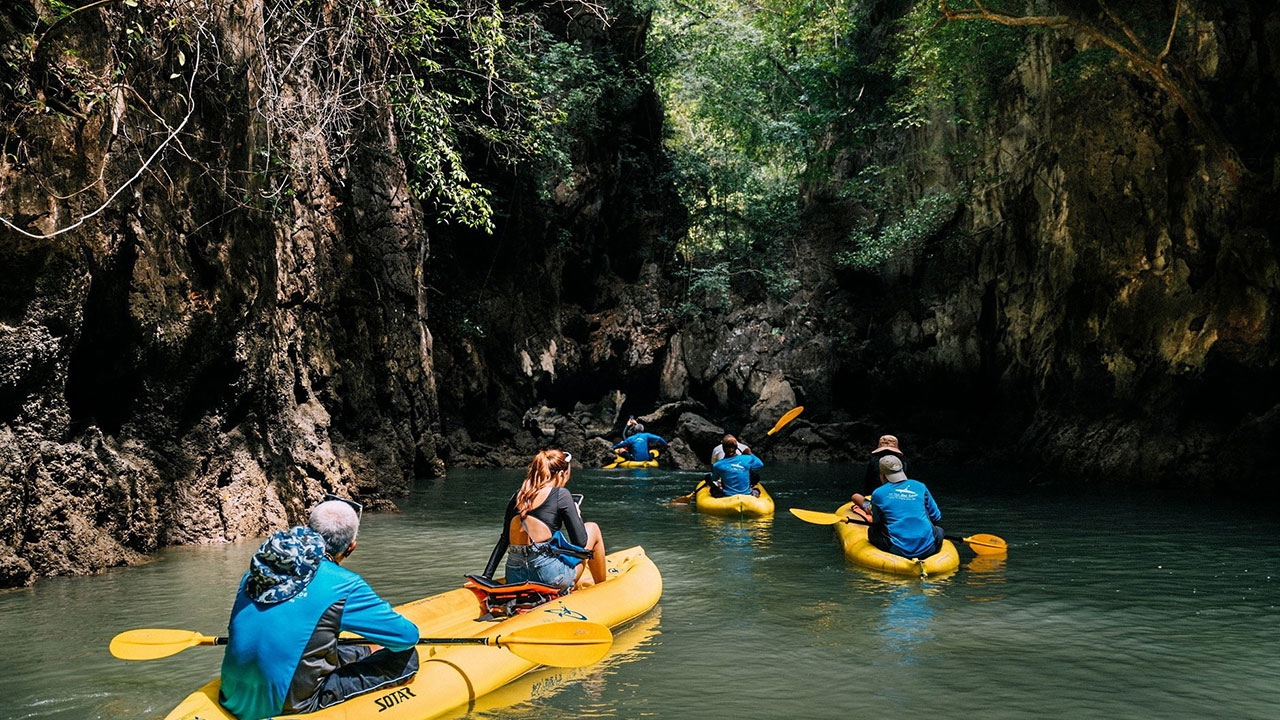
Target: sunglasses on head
{"type": "Point", "coordinates": [354, 505]}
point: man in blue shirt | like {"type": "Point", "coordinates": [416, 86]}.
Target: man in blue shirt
{"type": "Point", "coordinates": [283, 655]}
{"type": "Point", "coordinates": [637, 446]}
{"type": "Point", "coordinates": [732, 475]}
{"type": "Point", "coordinates": [904, 515]}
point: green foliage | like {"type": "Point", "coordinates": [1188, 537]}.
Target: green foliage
{"type": "Point", "coordinates": [708, 289]}
{"type": "Point", "coordinates": [474, 80]}
{"type": "Point", "coordinates": [61, 9]}
{"type": "Point", "coordinates": [763, 98]}
{"type": "Point", "coordinates": [752, 94]}
{"type": "Point", "coordinates": [924, 220]}
{"type": "Point", "coordinates": [48, 69]}
{"type": "Point", "coordinates": [955, 67]}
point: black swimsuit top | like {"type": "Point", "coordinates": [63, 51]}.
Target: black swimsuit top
{"type": "Point", "coordinates": [557, 511]}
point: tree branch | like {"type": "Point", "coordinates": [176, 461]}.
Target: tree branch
{"type": "Point", "coordinates": [191, 108]}
{"type": "Point", "coordinates": [1153, 67]}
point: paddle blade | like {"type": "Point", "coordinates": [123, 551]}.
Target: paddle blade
{"type": "Point", "coordinates": [686, 499]}
{"type": "Point", "coordinates": [151, 644]}
{"type": "Point", "coordinates": [818, 518]}
{"type": "Point", "coordinates": [792, 414]}
{"type": "Point", "coordinates": [984, 544]}
{"type": "Point", "coordinates": [572, 643]}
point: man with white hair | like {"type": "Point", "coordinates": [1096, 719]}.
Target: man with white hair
{"type": "Point", "coordinates": [283, 655]}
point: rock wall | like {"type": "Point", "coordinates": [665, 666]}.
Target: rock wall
{"type": "Point", "coordinates": [1104, 309]}
{"type": "Point", "coordinates": [192, 347]}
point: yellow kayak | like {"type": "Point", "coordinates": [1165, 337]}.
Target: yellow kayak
{"type": "Point", "coordinates": [860, 551]}
{"type": "Point", "coordinates": [621, 462]}
{"type": "Point", "coordinates": [456, 675]}
{"type": "Point", "coordinates": [733, 505]}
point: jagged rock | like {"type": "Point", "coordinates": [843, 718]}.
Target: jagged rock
{"type": "Point", "coordinates": [700, 433]}
{"type": "Point", "coordinates": [543, 421]}
{"type": "Point", "coordinates": [664, 420]}
{"type": "Point", "coordinates": [682, 457]}
{"type": "Point", "coordinates": [602, 419]}
{"type": "Point", "coordinates": [776, 399]}
{"type": "Point", "coordinates": [14, 571]}
{"type": "Point", "coordinates": [596, 452]}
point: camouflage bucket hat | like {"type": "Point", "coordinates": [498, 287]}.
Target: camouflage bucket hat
{"type": "Point", "coordinates": [284, 565]}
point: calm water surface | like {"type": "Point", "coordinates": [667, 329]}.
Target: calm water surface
{"type": "Point", "coordinates": [1106, 607]}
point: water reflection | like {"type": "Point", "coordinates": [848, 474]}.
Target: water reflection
{"type": "Point", "coordinates": [905, 623]}
{"type": "Point", "coordinates": [534, 695]}
{"type": "Point", "coordinates": [746, 534]}
{"type": "Point", "coordinates": [986, 573]}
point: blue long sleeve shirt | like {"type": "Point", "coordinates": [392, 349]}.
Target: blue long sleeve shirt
{"type": "Point", "coordinates": [734, 473]}
{"type": "Point", "coordinates": [640, 443]}
{"type": "Point", "coordinates": [908, 512]}
{"type": "Point", "coordinates": [279, 654]}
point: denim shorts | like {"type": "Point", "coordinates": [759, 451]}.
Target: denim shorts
{"type": "Point", "coordinates": [536, 563]}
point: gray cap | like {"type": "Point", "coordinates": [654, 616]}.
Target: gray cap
{"type": "Point", "coordinates": [891, 468]}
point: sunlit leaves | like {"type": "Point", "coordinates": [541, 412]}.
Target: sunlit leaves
{"type": "Point", "coordinates": [955, 67]}
{"type": "Point", "coordinates": [919, 223]}
{"type": "Point", "coordinates": [484, 89]}
{"type": "Point", "coordinates": [753, 94]}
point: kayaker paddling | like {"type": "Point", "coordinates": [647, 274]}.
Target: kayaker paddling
{"type": "Point", "coordinates": [735, 473]}
{"type": "Point", "coordinates": [903, 513]}
{"type": "Point", "coordinates": [539, 519]}
{"type": "Point", "coordinates": [283, 655]}
{"type": "Point", "coordinates": [637, 446]}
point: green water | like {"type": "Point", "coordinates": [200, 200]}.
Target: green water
{"type": "Point", "coordinates": [1106, 607]}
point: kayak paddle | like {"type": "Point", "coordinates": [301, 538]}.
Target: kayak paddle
{"type": "Point", "coordinates": [570, 643]}
{"type": "Point", "coordinates": [982, 543]}
{"type": "Point", "coordinates": [787, 417]}
{"type": "Point", "coordinates": [686, 499]}
{"type": "Point", "coordinates": [792, 414]}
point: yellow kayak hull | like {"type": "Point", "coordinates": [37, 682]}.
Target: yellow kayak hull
{"type": "Point", "coordinates": [453, 676]}
{"type": "Point", "coordinates": [859, 550]}
{"type": "Point", "coordinates": [620, 463]}
{"type": "Point", "coordinates": [733, 505]}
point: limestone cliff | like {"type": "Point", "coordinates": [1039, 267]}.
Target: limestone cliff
{"type": "Point", "coordinates": [1107, 296]}
{"type": "Point", "coordinates": [193, 347]}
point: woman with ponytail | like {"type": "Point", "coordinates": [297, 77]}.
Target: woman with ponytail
{"type": "Point", "coordinates": [539, 508]}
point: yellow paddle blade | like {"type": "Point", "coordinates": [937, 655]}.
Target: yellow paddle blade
{"type": "Point", "coordinates": [572, 643]}
{"type": "Point", "coordinates": [150, 644]}
{"type": "Point", "coordinates": [782, 421]}
{"type": "Point", "coordinates": [686, 499]}
{"type": "Point", "coordinates": [818, 518]}
{"type": "Point", "coordinates": [985, 544]}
